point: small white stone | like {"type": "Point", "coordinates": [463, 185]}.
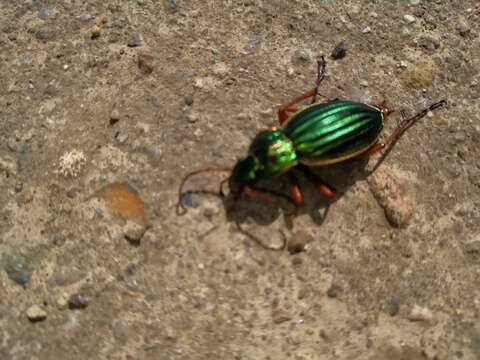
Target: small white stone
{"type": "Point", "coordinates": [65, 67]}
{"type": "Point", "coordinates": [62, 302]}
{"type": "Point", "coordinates": [415, 2]}
{"type": "Point", "coordinates": [192, 117]}
{"type": "Point", "coordinates": [199, 83]}
{"type": "Point", "coordinates": [409, 19]}
{"type": "Point", "coordinates": [210, 307]}
{"type": "Point", "coordinates": [419, 313]}
{"type": "Point", "coordinates": [366, 30]}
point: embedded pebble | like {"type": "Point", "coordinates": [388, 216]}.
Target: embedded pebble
{"type": "Point", "coordinates": [114, 116]}
{"type": "Point", "coordinates": [36, 313]}
{"type": "Point", "coordinates": [27, 60]}
{"type": "Point", "coordinates": [463, 27]}
{"type": "Point", "coordinates": [12, 145]}
{"type": "Point", "coordinates": [62, 301]}
{"type": "Point", "coordinates": [134, 232]}
{"type": "Point", "coordinates": [134, 40]}
{"type": "Point", "coordinates": [45, 13]}
{"type": "Point", "coordinates": [253, 45]}
{"type": "Point", "coordinates": [419, 313]}
{"type": "Point", "coordinates": [18, 187]}
{"type": "Point", "coordinates": [17, 269]}
{"type": "Point", "coordinates": [132, 284]}
{"type": "Point", "coordinates": [188, 201]}
{"type": "Point", "coordinates": [41, 34]}
{"type": "Point", "coordinates": [145, 62]}
{"type": "Point", "coordinates": [473, 247]}
{"type": "Point", "coordinates": [298, 241]}
{"type": "Point", "coordinates": [121, 138]}
{"type": "Point", "coordinates": [172, 4]}
{"type": "Point", "coordinates": [210, 307]}
{"type": "Point", "coordinates": [389, 195]}
{"type": "Point", "coordinates": [280, 316]}
{"type": "Point", "coordinates": [409, 19]}
{"type": "Point", "coordinates": [334, 290]}
{"type": "Point", "coordinates": [77, 301]}
{"type": "Point", "coordinates": [95, 32]}
{"type": "Point", "coordinates": [192, 117]}
{"type": "Point", "coordinates": [415, 2]}
{"type": "Point", "coordinates": [394, 306]}
{"type": "Point", "coordinates": [460, 136]}
{"type": "Point", "coordinates": [154, 154]}
{"type": "Point", "coordinates": [86, 18]}
{"type": "Point", "coordinates": [366, 30]}
{"type": "Point", "coordinates": [66, 276]}
{"type": "Point", "coordinates": [301, 56]}
{"type": "Point", "coordinates": [188, 99]}
{"type": "Point", "coordinates": [339, 51]}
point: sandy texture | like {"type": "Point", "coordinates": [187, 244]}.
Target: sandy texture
{"type": "Point", "coordinates": [141, 92]}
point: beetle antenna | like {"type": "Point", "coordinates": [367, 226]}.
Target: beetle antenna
{"type": "Point", "coordinates": [421, 114]}
{"type": "Point", "coordinates": [181, 209]}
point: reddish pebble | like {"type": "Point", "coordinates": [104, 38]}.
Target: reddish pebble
{"type": "Point", "coordinates": [388, 192]}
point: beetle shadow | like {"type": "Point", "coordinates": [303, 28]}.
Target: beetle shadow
{"type": "Point", "coordinates": [247, 212]}
{"type": "Point", "coordinates": [264, 214]}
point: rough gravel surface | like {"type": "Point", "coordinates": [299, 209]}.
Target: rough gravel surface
{"type": "Point", "coordinates": [106, 105]}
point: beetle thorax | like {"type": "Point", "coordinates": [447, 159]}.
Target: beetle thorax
{"type": "Point", "coordinates": [271, 153]}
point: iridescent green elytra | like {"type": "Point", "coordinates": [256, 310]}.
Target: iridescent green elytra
{"type": "Point", "coordinates": [320, 134]}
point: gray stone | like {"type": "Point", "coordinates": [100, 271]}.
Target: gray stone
{"type": "Point", "coordinates": [66, 276]}
{"type": "Point", "coordinates": [409, 19]}
{"type": "Point", "coordinates": [17, 268]}
{"type": "Point", "coordinates": [45, 13]}
{"type": "Point", "coordinates": [134, 40]}
{"type": "Point", "coordinates": [253, 45]}
{"type": "Point", "coordinates": [188, 99]}
{"type": "Point", "coordinates": [77, 301]}
{"type": "Point", "coordinates": [339, 51]}
{"type": "Point", "coordinates": [301, 56]}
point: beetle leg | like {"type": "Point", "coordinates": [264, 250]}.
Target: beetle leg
{"type": "Point", "coordinates": [295, 190]}
{"type": "Point", "coordinates": [384, 109]}
{"type": "Point", "coordinates": [325, 189]}
{"type": "Point", "coordinates": [400, 129]}
{"type": "Point", "coordinates": [291, 106]}
{"type": "Point", "coordinates": [320, 76]}
{"type": "Point", "coordinates": [259, 195]}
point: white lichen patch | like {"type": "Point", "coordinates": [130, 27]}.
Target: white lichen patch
{"type": "Point", "coordinates": [71, 163]}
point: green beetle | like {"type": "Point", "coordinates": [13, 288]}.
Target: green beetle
{"type": "Point", "coordinates": [319, 134]}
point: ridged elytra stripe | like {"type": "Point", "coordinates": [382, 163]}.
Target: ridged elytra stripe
{"type": "Point", "coordinates": [323, 115]}
{"type": "Point", "coordinates": [333, 132]}
{"type": "Point", "coordinates": [334, 127]}
{"type": "Point", "coordinates": [347, 137]}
